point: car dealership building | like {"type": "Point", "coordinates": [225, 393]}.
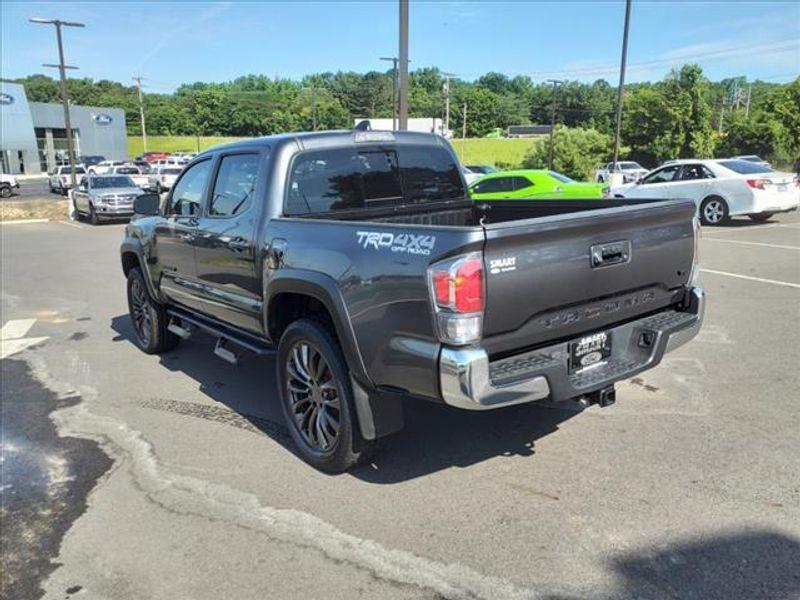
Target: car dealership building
{"type": "Point", "coordinates": [33, 135]}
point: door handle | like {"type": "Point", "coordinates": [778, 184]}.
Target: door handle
{"type": "Point", "coordinates": [238, 244]}
{"type": "Point", "coordinates": [275, 253]}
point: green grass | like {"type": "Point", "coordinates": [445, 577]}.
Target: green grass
{"type": "Point", "coordinates": [502, 152]}
{"type": "Point", "coordinates": [498, 152]}
{"type": "Point", "coordinates": [175, 143]}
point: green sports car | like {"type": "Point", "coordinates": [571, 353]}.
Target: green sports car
{"type": "Point", "coordinates": [533, 183]}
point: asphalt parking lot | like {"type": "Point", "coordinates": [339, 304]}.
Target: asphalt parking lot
{"type": "Point", "coordinates": [135, 476]}
{"type": "Point", "coordinates": [33, 188]}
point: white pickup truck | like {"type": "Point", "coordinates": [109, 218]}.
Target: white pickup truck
{"type": "Point", "coordinates": [142, 181]}
{"type": "Point", "coordinates": [631, 172]}
{"type": "Point", "coordinates": [8, 185]}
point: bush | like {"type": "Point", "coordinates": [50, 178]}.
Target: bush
{"type": "Point", "coordinates": [577, 152]}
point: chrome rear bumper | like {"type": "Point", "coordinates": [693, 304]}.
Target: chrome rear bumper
{"type": "Point", "coordinates": [469, 380]}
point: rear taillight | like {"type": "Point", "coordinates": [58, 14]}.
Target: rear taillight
{"type": "Point", "coordinates": [757, 184]}
{"type": "Point", "coordinates": [458, 295]}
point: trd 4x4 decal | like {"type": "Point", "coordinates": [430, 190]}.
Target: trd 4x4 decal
{"type": "Point", "coordinates": [408, 243]}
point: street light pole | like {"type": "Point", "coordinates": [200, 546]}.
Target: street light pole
{"type": "Point", "coordinates": [556, 83]}
{"type": "Point", "coordinates": [447, 77]}
{"type": "Point", "coordinates": [63, 76]}
{"type": "Point", "coordinates": [621, 82]}
{"type": "Point", "coordinates": [393, 60]}
{"type": "Point", "coordinates": [403, 58]}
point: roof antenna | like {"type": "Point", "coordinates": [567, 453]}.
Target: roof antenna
{"type": "Point", "coordinates": [363, 126]}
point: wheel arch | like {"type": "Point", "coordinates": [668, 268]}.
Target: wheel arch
{"type": "Point", "coordinates": [131, 256]}
{"type": "Point", "coordinates": [293, 294]}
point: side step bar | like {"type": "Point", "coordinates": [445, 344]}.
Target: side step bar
{"type": "Point", "coordinates": [188, 321]}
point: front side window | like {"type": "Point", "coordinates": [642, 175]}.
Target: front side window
{"type": "Point", "coordinates": [187, 196]}
{"type": "Point", "coordinates": [662, 175]}
{"type": "Point", "coordinates": [235, 184]}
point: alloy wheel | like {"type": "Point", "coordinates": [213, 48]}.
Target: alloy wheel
{"type": "Point", "coordinates": [314, 401]}
{"type": "Point", "coordinates": [140, 312]}
{"type": "Point", "coordinates": [714, 211]}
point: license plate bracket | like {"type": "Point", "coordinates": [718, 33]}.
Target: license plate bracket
{"type": "Point", "coordinates": [589, 351]}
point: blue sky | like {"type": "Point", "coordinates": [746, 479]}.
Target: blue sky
{"type": "Point", "coordinates": [173, 43]}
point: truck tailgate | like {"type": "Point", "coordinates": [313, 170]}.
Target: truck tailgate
{"type": "Point", "coordinates": [566, 275]}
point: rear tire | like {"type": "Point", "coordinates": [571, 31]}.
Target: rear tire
{"type": "Point", "coordinates": [5, 191]}
{"type": "Point", "coordinates": [713, 211]}
{"type": "Point", "coordinates": [317, 398]}
{"type": "Point", "coordinates": [149, 318]}
{"type": "Point", "coordinates": [761, 217]}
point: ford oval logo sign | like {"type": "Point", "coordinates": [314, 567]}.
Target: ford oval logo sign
{"type": "Point", "coordinates": [102, 119]}
{"type": "Point", "coordinates": [6, 99]}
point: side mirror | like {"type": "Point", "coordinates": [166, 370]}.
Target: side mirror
{"type": "Point", "coordinates": [147, 205]}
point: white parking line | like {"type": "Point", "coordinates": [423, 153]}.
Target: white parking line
{"type": "Point", "coordinates": [11, 337]}
{"type": "Point", "coordinates": [779, 246]}
{"type": "Point", "coordinates": [759, 279]}
{"type": "Point", "coordinates": [707, 231]}
{"type": "Point", "coordinates": [24, 221]}
{"type": "Point", "coordinates": [16, 328]}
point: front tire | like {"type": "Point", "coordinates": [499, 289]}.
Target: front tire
{"type": "Point", "coordinates": [761, 217]}
{"type": "Point", "coordinates": [713, 211]}
{"type": "Point", "coordinates": [5, 192]}
{"type": "Point", "coordinates": [149, 318]}
{"type": "Point", "coordinates": [317, 398]}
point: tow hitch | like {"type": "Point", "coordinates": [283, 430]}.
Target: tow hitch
{"type": "Point", "coordinates": [605, 397]}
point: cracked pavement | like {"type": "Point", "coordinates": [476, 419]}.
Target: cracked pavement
{"type": "Point", "coordinates": [178, 480]}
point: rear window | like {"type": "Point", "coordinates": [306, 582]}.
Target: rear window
{"type": "Point", "coordinates": [352, 178]}
{"type": "Point", "coordinates": [171, 171]}
{"type": "Point", "coordinates": [128, 171]}
{"type": "Point", "coordinates": [560, 177]}
{"type": "Point", "coordinates": [743, 167]}
{"type": "Point", "coordinates": [78, 170]}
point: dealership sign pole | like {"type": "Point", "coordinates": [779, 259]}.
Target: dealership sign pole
{"type": "Point", "coordinates": [63, 76]}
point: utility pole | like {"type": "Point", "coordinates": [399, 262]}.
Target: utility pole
{"type": "Point", "coordinates": [313, 107]}
{"type": "Point", "coordinates": [63, 77]}
{"type": "Point", "coordinates": [393, 60]}
{"type": "Point", "coordinates": [403, 60]}
{"type": "Point", "coordinates": [621, 81]}
{"type": "Point", "coordinates": [556, 83]}
{"type": "Point", "coordinates": [447, 77]}
{"type": "Point", "coordinates": [747, 106]}
{"type": "Point", "coordinates": [464, 123]}
{"type": "Point", "coordinates": [138, 79]}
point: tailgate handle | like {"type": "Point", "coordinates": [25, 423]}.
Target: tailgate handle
{"type": "Point", "coordinates": [611, 253]}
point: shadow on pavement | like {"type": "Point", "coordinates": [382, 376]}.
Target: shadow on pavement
{"type": "Point", "coordinates": [750, 564]}
{"type": "Point", "coordinates": [435, 436]}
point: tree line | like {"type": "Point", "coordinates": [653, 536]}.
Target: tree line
{"type": "Point", "coordinates": [684, 115]}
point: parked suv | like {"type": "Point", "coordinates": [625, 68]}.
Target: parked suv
{"type": "Point", "coordinates": [358, 259]}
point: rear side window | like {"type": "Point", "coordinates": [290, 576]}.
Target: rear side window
{"type": "Point", "coordinates": [744, 167]}
{"type": "Point", "coordinates": [520, 183]}
{"type": "Point", "coordinates": [233, 189]}
{"type": "Point", "coordinates": [494, 185]}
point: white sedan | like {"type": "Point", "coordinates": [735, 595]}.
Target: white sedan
{"type": "Point", "coordinates": [720, 188]}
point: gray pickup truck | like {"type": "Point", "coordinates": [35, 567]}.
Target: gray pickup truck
{"type": "Point", "coordinates": [358, 259]}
